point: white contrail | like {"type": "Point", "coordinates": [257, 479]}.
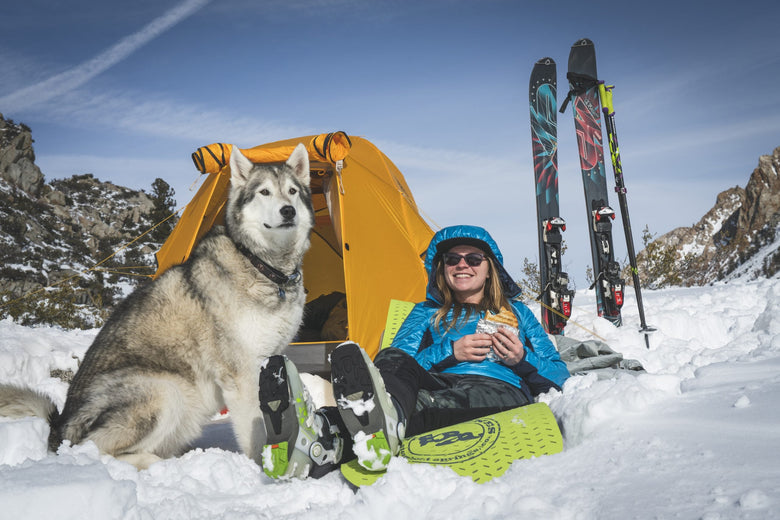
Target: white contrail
{"type": "Point", "coordinates": [77, 76]}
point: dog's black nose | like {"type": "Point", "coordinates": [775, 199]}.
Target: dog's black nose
{"type": "Point", "coordinates": [288, 212]}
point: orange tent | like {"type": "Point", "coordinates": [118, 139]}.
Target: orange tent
{"type": "Point", "coordinates": [368, 238]}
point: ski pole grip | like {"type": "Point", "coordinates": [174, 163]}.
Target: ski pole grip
{"type": "Point", "coordinates": [605, 93]}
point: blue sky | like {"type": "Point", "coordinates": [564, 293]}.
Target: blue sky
{"type": "Point", "coordinates": [126, 90]}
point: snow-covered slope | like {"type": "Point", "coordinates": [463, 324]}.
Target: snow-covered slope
{"type": "Point", "coordinates": [696, 436]}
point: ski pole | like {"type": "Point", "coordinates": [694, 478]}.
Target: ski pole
{"type": "Point", "coordinates": [605, 93]}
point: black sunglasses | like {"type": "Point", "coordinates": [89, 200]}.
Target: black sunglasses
{"type": "Point", "coordinates": [472, 259]}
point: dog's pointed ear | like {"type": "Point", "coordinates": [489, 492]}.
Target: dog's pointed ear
{"type": "Point", "coordinates": [299, 162]}
{"type": "Point", "coordinates": [240, 166]}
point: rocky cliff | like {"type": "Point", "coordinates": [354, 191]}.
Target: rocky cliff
{"type": "Point", "coordinates": [62, 259]}
{"type": "Point", "coordinates": [738, 237]}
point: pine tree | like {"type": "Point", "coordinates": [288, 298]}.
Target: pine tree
{"type": "Point", "coordinates": [659, 266]}
{"type": "Point", "coordinates": [531, 280]}
{"type": "Point", "coordinates": [164, 206]}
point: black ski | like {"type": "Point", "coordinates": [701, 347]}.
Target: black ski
{"type": "Point", "coordinates": [584, 96]}
{"type": "Point", "coordinates": [555, 295]}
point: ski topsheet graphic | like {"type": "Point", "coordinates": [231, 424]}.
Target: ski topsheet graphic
{"type": "Point", "coordinates": [584, 96]}
{"type": "Point", "coordinates": [556, 298]}
{"type": "Point", "coordinates": [482, 448]}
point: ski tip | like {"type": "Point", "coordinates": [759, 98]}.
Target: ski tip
{"type": "Point", "coordinates": [582, 42]}
{"type": "Point", "coordinates": [546, 61]}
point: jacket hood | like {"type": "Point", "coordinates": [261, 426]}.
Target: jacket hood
{"type": "Point", "coordinates": [448, 237]}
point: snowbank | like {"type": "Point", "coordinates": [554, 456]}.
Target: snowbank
{"type": "Point", "coordinates": [695, 436]}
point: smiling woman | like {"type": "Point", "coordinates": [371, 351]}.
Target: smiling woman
{"type": "Point", "coordinates": [437, 372]}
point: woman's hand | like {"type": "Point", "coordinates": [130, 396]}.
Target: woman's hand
{"type": "Point", "coordinates": [472, 347]}
{"type": "Point", "coordinates": [507, 347]}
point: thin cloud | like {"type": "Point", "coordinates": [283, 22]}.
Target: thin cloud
{"type": "Point", "coordinates": [442, 162]}
{"type": "Point", "coordinates": [73, 78]}
{"type": "Point", "coordinates": [709, 138]}
{"type": "Point", "coordinates": [168, 118]}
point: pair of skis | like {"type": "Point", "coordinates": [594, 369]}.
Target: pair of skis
{"type": "Point", "coordinates": [586, 94]}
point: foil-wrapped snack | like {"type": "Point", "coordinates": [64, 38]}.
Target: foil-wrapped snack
{"type": "Point", "coordinates": [488, 326]}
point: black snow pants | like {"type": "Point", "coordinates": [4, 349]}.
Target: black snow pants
{"type": "Point", "coordinates": [435, 400]}
{"type": "Point", "coordinates": [432, 400]}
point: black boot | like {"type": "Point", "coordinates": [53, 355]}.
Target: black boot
{"type": "Point", "coordinates": [365, 406]}
{"type": "Point", "coordinates": [300, 441]}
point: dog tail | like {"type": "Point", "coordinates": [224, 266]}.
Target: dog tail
{"type": "Point", "coordinates": [17, 402]}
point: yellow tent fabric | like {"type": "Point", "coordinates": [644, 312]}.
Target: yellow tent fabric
{"type": "Point", "coordinates": [369, 237]}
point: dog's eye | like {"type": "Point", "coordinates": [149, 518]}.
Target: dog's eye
{"type": "Point", "coordinates": [265, 192]}
{"type": "Point", "coordinates": [293, 191]}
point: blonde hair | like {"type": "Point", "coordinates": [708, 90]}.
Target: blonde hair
{"type": "Point", "coordinates": [492, 297]}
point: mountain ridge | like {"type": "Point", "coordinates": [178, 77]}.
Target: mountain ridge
{"type": "Point", "coordinates": [738, 237]}
{"type": "Point", "coordinates": [62, 253]}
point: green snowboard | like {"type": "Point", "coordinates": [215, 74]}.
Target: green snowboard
{"type": "Point", "coordinates": [482, 448]}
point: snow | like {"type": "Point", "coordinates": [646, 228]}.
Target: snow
{"type": "Point", "coordinates": [756, 265]}
{"type": "Point", "coordinates": [696, 436]}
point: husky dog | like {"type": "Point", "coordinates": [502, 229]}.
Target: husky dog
{"type": "Point", "coordinates": [182, 347]}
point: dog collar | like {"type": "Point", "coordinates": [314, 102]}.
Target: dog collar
{"type": "Point", "coordinates": [273, 274]}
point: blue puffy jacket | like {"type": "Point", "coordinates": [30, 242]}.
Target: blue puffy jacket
{"type": "Point", "coordinates": [540, 369]}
